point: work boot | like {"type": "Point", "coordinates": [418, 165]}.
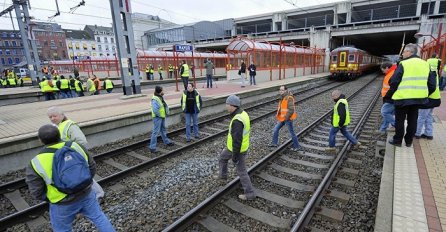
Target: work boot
{"type": "Point", "coordinates": [218, 177]}
{"type": "Point", "coordinates": [357, 145]}
{"type": "Point", "coordinates": [245, 198]}
{"type": "Point", "coordinates": [331, 150]}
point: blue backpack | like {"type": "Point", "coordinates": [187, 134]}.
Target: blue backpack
{"type": "Point", "coordinates": [71, 172]}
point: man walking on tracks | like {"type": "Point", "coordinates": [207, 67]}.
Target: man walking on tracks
{"type": "Point", "coordinates": [286, 113]}
{"type": "Point", "coordinates": [160, 110]}
{"type": "Point", "coordinates": [45, 180]}
{"type": "Point", "coordinates": [340, 121]}
{"type": "Point", "coordinates": [237, 146]}
{"type": "Point", "coordinates": [410, 86]}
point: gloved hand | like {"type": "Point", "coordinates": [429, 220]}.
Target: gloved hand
{"type": "Point", "coordinates": [235, 158]}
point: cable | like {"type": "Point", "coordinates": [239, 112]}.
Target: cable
{"type": "Point", "coordinates": [153, 6]}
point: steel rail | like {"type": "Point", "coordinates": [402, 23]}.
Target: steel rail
{"type": "Point", "coordinates": [197, 212]}
{"type": "Point", "coordinates": [36, 210]}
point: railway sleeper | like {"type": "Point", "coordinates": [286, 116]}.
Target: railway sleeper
{"type": "Point", "coordinates": [20, 204]}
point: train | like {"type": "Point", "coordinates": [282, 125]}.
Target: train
{"type": "Point", "coordinates": [350, 63]}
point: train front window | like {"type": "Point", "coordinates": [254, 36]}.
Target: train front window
{"type": "Point", "coordinates": [334, 59]}
{"type": "Point", "coordinates": [351, 58]}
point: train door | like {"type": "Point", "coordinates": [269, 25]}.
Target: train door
{"type": "Point", "coordinates": [342, 58]}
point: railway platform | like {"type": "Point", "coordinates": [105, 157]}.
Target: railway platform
{"type": "Point", "coordinates": [101, 116]}
{"type": "Point", "coordinates": [413, 187]}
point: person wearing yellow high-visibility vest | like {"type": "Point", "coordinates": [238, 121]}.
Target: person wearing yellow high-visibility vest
{"type": "Point", "coordinates": [79, 85]}
{"type": "Point", "coordinates": [340, 121]}
{"type": "Point", "coordinates": [191, 104]}
{"type": "Point", "coordinates": [70, 131]}
{"type": "Point", "coordinates": [91, 87]}
{"type": "Point", "coordinates": [160, 71]}
{"type": "Point", "coordinates": [410, 86]}
{"type": "Point", "coordinates": [237, 145]}
{"type": "Point", "coordinates": [184, 73]}
{"type": "Point", "coordinates": [108, 85]}
{"type": "Point", "coordinates": [286, 114]}
{"type": "Point", "coordinates": [47, 89]}
{"type": "Point", "coordinates": [425, 119]}
{"type": "Point", "coordinates": [160, 110]}
{"type": "Point", "coordinates": [170, 71]}
{"type": "Point", "coordinates": [63, 207]}
{"type": "Point", "coordinates": [11, 79]}
{"type": "Point", "coordinates": [64, 86]}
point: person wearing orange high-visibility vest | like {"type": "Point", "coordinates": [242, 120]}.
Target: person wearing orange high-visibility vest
{"type": "Point", "coordinates": [387, 109]}
{"type": "Point", "coordinates": [286, 113]}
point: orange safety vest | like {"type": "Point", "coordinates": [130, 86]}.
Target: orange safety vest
{"type": "Point", "coordinates": [282, 110]}
{"type": "Point", "coordinates": [386, 85]}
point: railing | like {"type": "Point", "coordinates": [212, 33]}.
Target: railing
{"type": "Point", "coordinates": [392, 12]}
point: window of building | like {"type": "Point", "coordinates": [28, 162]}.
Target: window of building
{"type": "Point", "coordinates": [60, 44]}
{"type": "Point", "coordinates": [1, 51]}
{"type": "Point", "coordinates": [105, 40]}
{"type": "Point", "coordinates": [7, 52]}
{"type": "Point", "coordinates": [98, 39]}
{"type": "Point", "coordinates": [112, 40]}
{"type": "Point", "coordinates": [12, 35]}
{"type": "Point", "coordinates": [6, 43]}
{"type": "Point", "coordinates": [1, 43]}
{"type": "Point", "coordinates": [9, 60]}
{"type": "Point", "coordinates": [14, 52]}
{"type": "Point", "coordinates": [77, 46]}
{"type": "Point", "coordinates": [106, 47]}
{"type": "Point", "coordinates": [45, 43]}
{"type": "Point", "coordinates": [14, 43]}
{"type": "Point", "coordinates": [99, 47]}
{"type": "Point", "coordinates": [17, 60]}
{"type": "Point", "coordinates": [4, 34]}
{"type": "Point", "coordinates": [70, 45]}
{"type": "Point", "coordinates": [334, 59]}
{"type": "Point", "coordinates": [93, 46]}
{"type": "Point", "coordinates": [3, 61]}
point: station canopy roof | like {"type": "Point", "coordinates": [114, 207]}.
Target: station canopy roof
{"type": "Point", "coordinates": [247, 45]}
{"type": "Point", "coordinates": [150, 53]}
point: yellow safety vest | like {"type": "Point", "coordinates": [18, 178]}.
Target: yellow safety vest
{"type": "Point", "coordinates": [76, 84]}
{"type": "Point", "coordinates": [162, 109]}
{"type": "Point", "coordinates": [11, 80]}
{"type": "Point", "coordinates": [108, 84]}
{"type": "Point", "coordinates": [336, 117]}
{"type": "Point", "coordinates": [92, 86]}
{"type": "Point", "coordinates": [45, 87]}
{"type": "Point", "coordinates": [160, 69]}
{"type": "Point", "coordinates": [64, 84]}
{"type": "Point", "coordinates": [413, 84]}
{"type": "Point", "coordinates": [63, 129]}
{"type": "Point", "coordinates": [433, 62]}
{"type": "Point", "coordinates": [185, 70]}
{"type": "Point", "coordinates": [170, 68]}
{"type": "Point", "coordinates": [197, 100]}
{"type": "Point", "coordinates": [244, 118]}
{"type": "Point", "coordinates": [43, 166]}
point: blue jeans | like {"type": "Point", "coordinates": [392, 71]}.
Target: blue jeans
{"type": "Point", "coordinates": [73, 93]}
{"type": "Point", "coordinates": [290, 129]}
{"type": "Point", "coordinates": [158, 127]}
{"type": "Point", "coordinates": [208, 80]}
{"type": "Point", "coordinates": [425, 120]}
{"type": "Point", "coordinates": [194, 119]}
{"type": "Point", "coordinates": [62, 216]}
{"type": "Point", "coordinates": [388, 113]}
{"type": "Point", "coordinates": [334, 131]}
{"type": "Point", "coordinates": [185, 82]}
{"type": "Point", "coordinates": [442, 83]}
{"type": "Point", "coordinates": [252, 79]}
{"type": "Point", "coordinates": [65, 94]}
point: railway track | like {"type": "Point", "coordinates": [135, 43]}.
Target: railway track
{"type": "Point", "coordinates": [141, 159]}
{"type": "Point", "coordinates": [289, 185]}
{"type": "Point", "coordinates": [119, 163]}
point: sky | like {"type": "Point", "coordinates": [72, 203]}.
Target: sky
{"type": "Point", "coordinates": [178, 11]}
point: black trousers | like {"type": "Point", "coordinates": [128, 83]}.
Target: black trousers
{"type": "Point", "coordinates": [401, 114]}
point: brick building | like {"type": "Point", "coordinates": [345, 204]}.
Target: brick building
{"type": "Point", "coordinates": [50, 41]}
{"type": "Point", "coordinates": [11, 49]}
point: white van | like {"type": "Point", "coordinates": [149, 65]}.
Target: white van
{"type": "Point", "coordinates": [22, 72]}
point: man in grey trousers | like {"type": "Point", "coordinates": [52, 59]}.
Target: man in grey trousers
{"type": "Point", "coordinates": [237, 146]}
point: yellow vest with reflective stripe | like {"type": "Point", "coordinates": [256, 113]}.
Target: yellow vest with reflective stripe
{"type": "Point", "coordinates": [433, 62]}
{"type": "Point", "coordinates": [336, 117]}
{"type": "Point", "coordinates": [161, 109]}
{"type": "Point", "coordinates": [170, 68]}
{"type": "Point", "coordinates": [64, 84]}
{"type": "Point", "coordinates": [436, 94]}
{"type": "Point", "coordinates": [108, 84]}
{"type": "Point", "coordinates": [63, 129]}
{"type": "Point", "coordinates": [244, 118]}
{"type": "Point", "coordinates": [413, 84]}
{"type": "Point", "coordinates": [45, 86]}
{"type": "Point", "coordinates": [11, 80]}
{"type": "Point", "coordinates": [43, 166]}
{"type": "Point", "coordinates": [76, 85]}
{"type": "Point", "coordinates": [92, 86]}
{"type": "Point", "coordinates": [197, 100]}
{"type": "Point", "coordinates": [185, 70]}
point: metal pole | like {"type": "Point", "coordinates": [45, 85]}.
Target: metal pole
{"type": "Point", "coordinates": [35, 54]}
{"type": "Point", "coordinates": [122, 26]}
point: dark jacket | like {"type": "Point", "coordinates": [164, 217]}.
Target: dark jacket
{"type": "Point", "coordinates": [341, 111]}
{"type": "Point", "coordinates": [242, 68]}
{"type": "Point", "coordinates": [191, 105]}
{"type": "Point", "coordinates": [252, 70]}
{"type": "Point", "coordinates": [236, 133]}
{"type": "Point", "coordinates": [395, 80]}
{"type": "Point", "coordinates": [37, 186]}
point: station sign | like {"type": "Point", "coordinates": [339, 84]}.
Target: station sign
{"type": "Point", "coordinates": [183, 48]}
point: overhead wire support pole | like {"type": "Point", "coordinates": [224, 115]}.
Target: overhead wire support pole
{"type": "Point", "coordinates": [23, 20]}
{"type": "Point", "coordinates": [122, 26]}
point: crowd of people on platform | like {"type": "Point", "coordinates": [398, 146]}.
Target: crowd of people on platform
{"type": "Point", "coordinates": [10, 79]}
{"type": "Point", "coordinates": [410, 91]}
